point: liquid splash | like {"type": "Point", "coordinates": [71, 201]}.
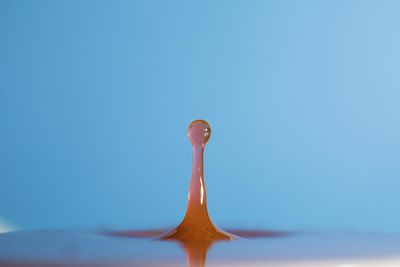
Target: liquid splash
{"type": "Point", "coordinates": [196, 233]}
{"type": "Point", "coordinates": [197, 226]}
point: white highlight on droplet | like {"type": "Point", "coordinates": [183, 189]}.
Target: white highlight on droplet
{"type": "Point", "coordinates": [201, 191]}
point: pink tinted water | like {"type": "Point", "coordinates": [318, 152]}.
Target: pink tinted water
{"type": "Point", "coordinates": [196, 233]}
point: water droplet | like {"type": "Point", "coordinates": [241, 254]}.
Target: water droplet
{"type": "Point", "coordinates": [199, 132]}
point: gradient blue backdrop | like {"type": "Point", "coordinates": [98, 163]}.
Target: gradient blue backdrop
{"type": "Point", "coordinates": [303, 98]}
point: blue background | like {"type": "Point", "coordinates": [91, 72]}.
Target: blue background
{"type": "Point", "coordinates": [303, 98]}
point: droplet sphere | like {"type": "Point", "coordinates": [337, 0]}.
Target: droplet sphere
{"type": "Point", "coordinates": [199, 132]}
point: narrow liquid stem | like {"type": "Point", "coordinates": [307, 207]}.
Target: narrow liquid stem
{"type": "Point", "coordinates": [197, 192]}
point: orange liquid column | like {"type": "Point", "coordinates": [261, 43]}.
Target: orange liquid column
{"type": "Point", "coordinates": [196, 232]}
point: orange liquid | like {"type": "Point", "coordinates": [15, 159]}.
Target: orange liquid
{"type": "Point", "coordinates": [196, 232]}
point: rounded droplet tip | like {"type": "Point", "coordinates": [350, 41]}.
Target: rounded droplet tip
{"type": "Point", "coordinates": [199, 132]}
